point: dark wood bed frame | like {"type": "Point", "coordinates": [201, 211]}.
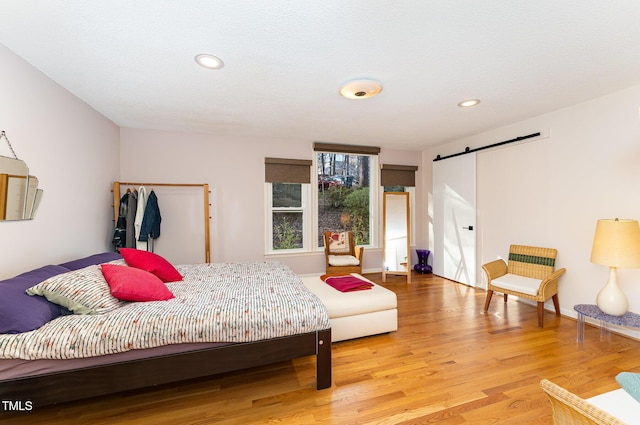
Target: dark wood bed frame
{"type": "Point", "coordinates": [100, 380]}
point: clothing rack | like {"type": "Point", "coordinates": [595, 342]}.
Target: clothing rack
{"type": "Point", "coordinates": [205, 190]}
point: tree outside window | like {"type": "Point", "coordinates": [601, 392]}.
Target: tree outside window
{"type": "Point", "coordinates": [287, 216]}
{"type": "Point", "coordinates": [344, 195]}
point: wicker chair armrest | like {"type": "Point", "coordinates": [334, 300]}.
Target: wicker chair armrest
{"type": "Point", "coordinates": [568, 408]}
{"type": "Point", "coordinates": [549, 286]}
{"type": "Point", "coordinates": [359, 250]}
{"type": "Point", "coordinates": [556, 274]}
{"type": "Point", "coordinates": [552, 279]}
{"type": "Point", "coordinates": [495, 269]}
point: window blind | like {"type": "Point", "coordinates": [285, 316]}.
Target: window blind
{"type": "Point", "coordinates": [337, 148]}
{"type": "Point", "coordinates": [282, 170]}
{"type": "Point", "coordinates": [398, 175]}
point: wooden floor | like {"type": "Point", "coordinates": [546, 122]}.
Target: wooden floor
{"type": "Point", "coordinates": [449, 363]}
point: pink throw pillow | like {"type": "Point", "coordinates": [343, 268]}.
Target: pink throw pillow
{"type": "Point", "coordinates": [153, 263]}
{"type": "Point", "coordinates": [131, 284]}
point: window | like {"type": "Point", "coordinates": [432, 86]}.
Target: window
{"type": "Point", "coordinates": [287, 187]}
{"type": "Point", "coordinates": [288, 215]}
{"type": "Point", "coordinates": [346, 194]}
{"type": "Point", "coordinates": [343, 195]}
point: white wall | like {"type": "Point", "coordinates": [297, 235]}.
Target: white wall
{"type": "Point", "coordinates": [234, 169]}
{"type": "Point", "coordinates": [551, 191]}
{"type": "Point", "coordinates": [73, 151]}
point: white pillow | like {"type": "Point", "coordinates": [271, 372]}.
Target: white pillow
{"type": "Point", "coordinates": [83, 291]}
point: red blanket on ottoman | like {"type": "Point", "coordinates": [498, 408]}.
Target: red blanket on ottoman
{"type": "Point", "coordinates": [346, 283]}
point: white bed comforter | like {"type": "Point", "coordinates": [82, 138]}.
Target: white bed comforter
{"type": "Point", "coordinates": [221, 302]}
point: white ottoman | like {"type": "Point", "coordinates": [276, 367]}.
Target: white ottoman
{"type": "Point", "coordinates": [358, 313]}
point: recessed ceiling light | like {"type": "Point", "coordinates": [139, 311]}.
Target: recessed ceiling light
{"type": "Point", "coordinates": [209, 61]}
{"type": "Point", "coordinates": [469, 103]}
{"type": "Point", "coordinates": [360, 89]}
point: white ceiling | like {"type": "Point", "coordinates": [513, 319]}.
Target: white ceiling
{"type": "Point", "coordinates": [132, 60]}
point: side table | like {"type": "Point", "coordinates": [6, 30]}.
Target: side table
{"type": "Point", "coordinates": [629, 319]}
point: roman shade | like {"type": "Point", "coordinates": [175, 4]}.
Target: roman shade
{"type": "Point", "coordinates": [337, 148]}
{"type": "Point", "coordinates": [282, 170]}
{"type": "Point", "coordinates": [398, 175]}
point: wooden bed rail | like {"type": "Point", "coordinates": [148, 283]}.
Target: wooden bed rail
{"type": "Point", "coordinates": [113, 378]}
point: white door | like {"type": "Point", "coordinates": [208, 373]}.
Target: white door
{"type": "Point", "coordinates": [454, 218]}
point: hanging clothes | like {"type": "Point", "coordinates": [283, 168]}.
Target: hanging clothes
{"type": "Point", "coordinates": [142, 204]}
{"type": "Point", "coordinates": [150, 228]}
{"type": "Point", "coordinates": [120, 233]}
{"type": "Point", "coordinates": [131, 218]}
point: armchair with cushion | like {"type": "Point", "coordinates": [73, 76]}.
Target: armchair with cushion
{"type": "Point", "coordinates": [342, 256]}
{"type": "Point", "coordinates": [530, 274]}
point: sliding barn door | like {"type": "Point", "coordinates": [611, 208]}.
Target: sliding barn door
{"type": "Point", "coordinates": [454, 218]}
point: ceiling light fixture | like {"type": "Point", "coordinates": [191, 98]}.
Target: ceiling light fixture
{"type": "Point", "coordinates": [360, 89]}
{"type": "Point", "coordinates": [209, 61]}
{"type": "Point", "coordinates": [469, 103]}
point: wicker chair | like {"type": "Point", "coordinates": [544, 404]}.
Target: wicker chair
{"type": "Point", "coordinates": [568, 408]}
{"type": "Point", "coordinates": [529, 275]}
{"type": "Point", "coordinates": [342, 256]}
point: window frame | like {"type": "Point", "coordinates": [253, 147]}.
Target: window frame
{"type": "Point", "coordinates": [374, 196]}
{"type": "Point", "coordinates": [270, 210]}
{"type": "Point", "coordinates": [310, 211]}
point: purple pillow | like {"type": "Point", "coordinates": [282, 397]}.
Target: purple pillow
{"type": "Point", "coordinates": [20, 312]}
{"type": "Point", "coordinates": [91, 260]}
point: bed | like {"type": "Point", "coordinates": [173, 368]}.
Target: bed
{"type": "Point", "coordinates": [159, 341]}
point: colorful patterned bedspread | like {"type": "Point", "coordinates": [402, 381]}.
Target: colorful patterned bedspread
{"type": "Point", "coordinates": [221, 302]}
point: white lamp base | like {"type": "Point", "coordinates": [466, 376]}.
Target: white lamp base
{"type": "Point", "coordinates": [611, 300]}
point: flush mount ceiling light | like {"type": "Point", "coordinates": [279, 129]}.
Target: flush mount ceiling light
{"type": "Point", "coordinates": [469, 103]}
{"type": "Point", "coordinates": [209, 61]}
{"type": "Point", "coordinates": [360, 89]}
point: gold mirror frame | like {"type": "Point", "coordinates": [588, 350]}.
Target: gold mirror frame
{"type": "Point", "coordinates": [19, 193]}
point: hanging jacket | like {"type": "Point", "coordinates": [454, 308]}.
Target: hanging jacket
{"type": "Point", "coordinates": [131, 218]}
{"type": "Point", "coordinates": [150, 228]}
{"type": "Point", "coordinates": [142, 203]}
{"type": "Point", "coordinates": [120, 233]}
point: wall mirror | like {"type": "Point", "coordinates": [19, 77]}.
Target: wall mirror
{"type": "Point", "coordinates": [396, 254]}
{"type": "Point", "coordinates": [19, 193]}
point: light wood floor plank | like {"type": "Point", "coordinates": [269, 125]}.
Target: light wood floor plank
{"type": "Point", "coordinates": [449, 363]}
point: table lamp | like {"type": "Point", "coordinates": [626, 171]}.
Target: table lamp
{"type": "Point", "coordinates": [615, 244]}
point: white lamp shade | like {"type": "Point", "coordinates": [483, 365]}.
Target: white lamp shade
{"type": "Point", "coordinates": [616, 243]}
